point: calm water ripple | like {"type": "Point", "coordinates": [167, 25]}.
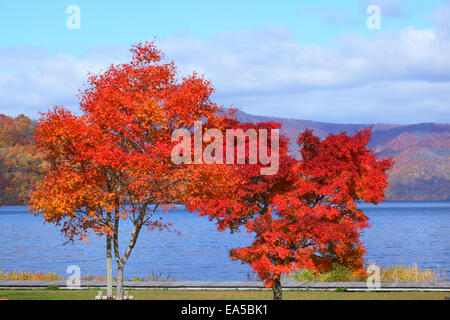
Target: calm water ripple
{"type": "Point", "coordinates": [401, 233]}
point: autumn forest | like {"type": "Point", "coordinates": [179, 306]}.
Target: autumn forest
{"type": "Point", "coordinates": [421, 170]}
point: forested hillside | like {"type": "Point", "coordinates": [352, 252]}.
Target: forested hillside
{"type": "Point", "coordinates": [19, 161]}
{"type": "Point", "coordinates": [421, 153]}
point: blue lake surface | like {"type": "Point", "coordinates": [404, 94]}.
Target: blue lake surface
{"type": "Point", "coordinates": [402, 233]}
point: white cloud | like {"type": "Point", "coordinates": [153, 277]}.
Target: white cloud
{"type": "Point", "coordinates": [268, 72]}
{"type": "Point", "coordinates": [441, 18]}
{"type": "Point", "coordinates": [33, 79]}
{"type": "Point", "coordinates": [398, 76]}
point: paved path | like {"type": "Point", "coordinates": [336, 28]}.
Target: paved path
{"type": "Point", "coordinates": [229, 285]}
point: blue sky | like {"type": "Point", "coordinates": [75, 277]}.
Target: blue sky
{"type": "Point", "coordinates": [300, 59]}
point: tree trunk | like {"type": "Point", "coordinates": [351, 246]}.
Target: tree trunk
{"type": "Point", "coordinates": [109, 284]}
{"type": "Point", "coordinates": [277, 291]}
{"type": "Point", "coordinates": [137, 225]}
{"type": "Point", "coordinates": [119, 287]}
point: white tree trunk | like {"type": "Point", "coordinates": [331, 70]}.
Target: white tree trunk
{"type": "Point", "coordinates": [119, 287]}
{"type": "Point", "coordinates": [121, 261]}
{"type": "Point", "coordinates": [109, 282]}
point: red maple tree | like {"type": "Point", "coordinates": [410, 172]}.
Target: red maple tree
{"type": "Point", "coordinates": [303, 217]}
{"type": "Point", "coordinates": [114, 161]}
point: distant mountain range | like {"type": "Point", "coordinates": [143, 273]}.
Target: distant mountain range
{"type": "Point", "coordinates": [421, 153]}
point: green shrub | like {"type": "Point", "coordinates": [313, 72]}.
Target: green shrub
{"type": "Point", "coordinates": [52, 288]}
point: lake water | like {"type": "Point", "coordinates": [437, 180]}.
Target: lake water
{"type": "Point", "coordinates": [402, 233]}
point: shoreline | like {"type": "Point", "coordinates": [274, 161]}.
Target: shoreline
{"type": "Point", "coordinates": [230, 285]}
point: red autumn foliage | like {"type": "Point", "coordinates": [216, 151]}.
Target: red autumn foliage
{"type": "Point", "coordinates": [114, 161]}
{"type": "Point", "coordinates": [20, 162]}
{"type": "Point", "coordinates": [304, 216]}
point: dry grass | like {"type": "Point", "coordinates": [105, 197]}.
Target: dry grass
{"type": "Point", "coordinates": [48, 276]}
{"type": "Point", "coordinates": [411, 274]}
{"type": "Point", "coordinates": [51, 276]}
{"type": "Point", "coordinates": [339, 273]}
{"type": "Point", "coordinates": [154, 276]}
{"type": "Point", "coordinates": [22, 275]}
{"type": "Point", "coordinates": [387, 274]}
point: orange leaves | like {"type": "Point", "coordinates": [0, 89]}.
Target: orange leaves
{"type": "Point", "coordinates": [113, 161]}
